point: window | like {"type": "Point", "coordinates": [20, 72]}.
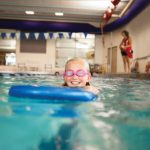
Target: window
{"type": "Point", "coordinates": [78, 46]}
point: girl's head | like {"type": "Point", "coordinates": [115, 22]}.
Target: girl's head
{"type": "Point", "coordinates": [77, 73]}
{"type": "Point", "coordinates": [125, 33]}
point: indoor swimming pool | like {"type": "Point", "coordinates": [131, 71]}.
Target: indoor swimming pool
{"type": "Point", "coordinates": [118, 120]}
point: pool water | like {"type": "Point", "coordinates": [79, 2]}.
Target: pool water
{"type": "Point", "coordinates": [118, 120]}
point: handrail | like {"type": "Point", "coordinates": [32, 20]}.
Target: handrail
{"type": "Point", "coordinates": [140, 58]}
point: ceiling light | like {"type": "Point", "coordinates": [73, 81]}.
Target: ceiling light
{"type": "Point", "coordinates": [29, 12]}
{"type": "Point", "coordinates": [59, 14]}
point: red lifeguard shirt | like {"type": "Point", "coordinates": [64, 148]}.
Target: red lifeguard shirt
{"type": "Point", "coordinates": [126, 42]}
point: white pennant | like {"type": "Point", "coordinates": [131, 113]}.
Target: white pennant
{"type": "Point", "coordinates": [27, 35]}
{"type": "Point", "coordinates": [7, 35]}
{"type": "Point", "coordinates": [46, 35]}
{"type": "Point", "coordinates": [18, 35]}
{"type": "Point", "coordinates": [66, 36]}
{"type": "Point", "coordinates": [36, 35]}
{"type": "Point", "coordinates": [55, 35]}
{"type": "Point", "coordinates": [74, 35]}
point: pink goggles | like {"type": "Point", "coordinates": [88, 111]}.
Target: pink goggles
{"type": "Point", "coordinates": [79, 73]}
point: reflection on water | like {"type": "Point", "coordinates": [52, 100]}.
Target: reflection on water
{"type": "Point", "coordinates": [118, 120]}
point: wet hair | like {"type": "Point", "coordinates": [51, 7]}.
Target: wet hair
{"type": "Point", "coordinates": [86, 64]}
{"type": "Point", "coordinates": [126, 33]}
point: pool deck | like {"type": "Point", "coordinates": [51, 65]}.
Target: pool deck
{"type": "Point", "coordinates": [145, 76]}
{"type": "Point", "coordinates": [131, 75]}
{"type": "Point", "coordinates": [12, 70]}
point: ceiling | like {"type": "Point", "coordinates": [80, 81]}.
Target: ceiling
{"type": "Point", "coordinates": [85, 11]}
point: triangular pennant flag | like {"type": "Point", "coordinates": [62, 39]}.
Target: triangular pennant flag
{"type": "Point", "coordinates": [36, 35]}
{"type": "Point", "coordinates": [60, 35]}
{"type": "Point", "coordinates": [46, 35]}
{"type": "Point", "coordinates": [55, 35]}
{"type": "Point", "coordinates": [41, 36]}
{"type": "Point", "coordinates": [31, 35]}
{"type": "Point", "coordinates": [70, 35]}
{"type": "Point", "coordinates": [7, 35]}
{"type": "Point", "coordinates": [18, 35]}
{"type": "Point", "coordinates": [12, 35]}
{"type": "Point", "coordinates": [73, 35]}
{"type": "Point", "coordinates": [3, 35]}
{"type": "Point", "coordinates": [85, 34]}
{"type": "Point", "coordinates": [27, 35]}
{"type": "Point", "coordinates": [51, 35]}
{"type": "Point", "coordinates": [65, 35]}
{"type": "Point", "coordinates": [22, 35]}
